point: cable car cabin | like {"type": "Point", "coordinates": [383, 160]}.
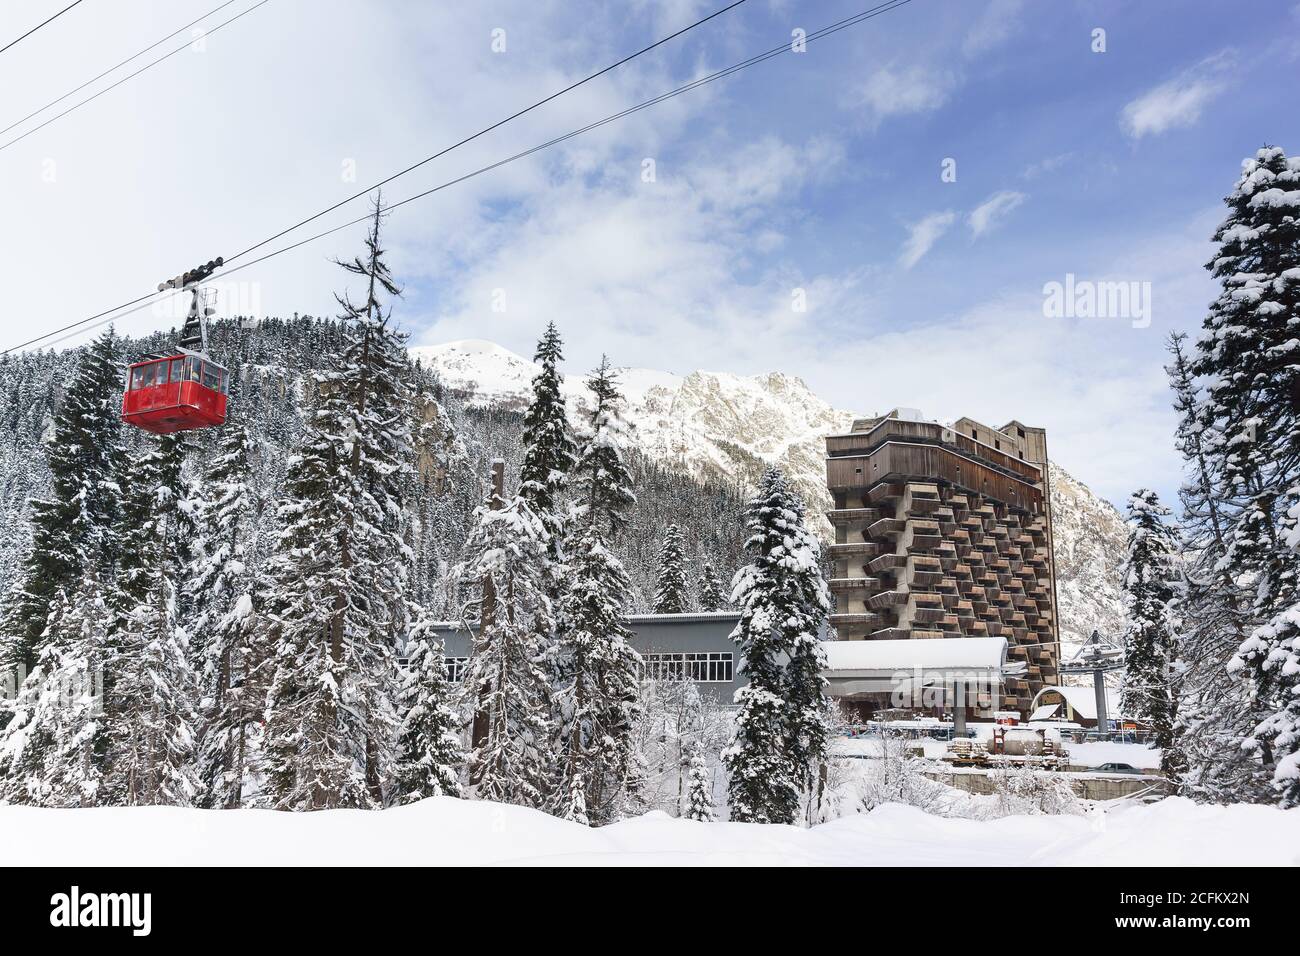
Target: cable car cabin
{"type": "Point", "coordinates": [175, 394]}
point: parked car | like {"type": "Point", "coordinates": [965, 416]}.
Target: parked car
{"type": "Point", "coordinates": [1118, 768]}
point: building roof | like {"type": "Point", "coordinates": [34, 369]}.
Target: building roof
{"type": "Point", "coordinates": [684, 617]}
{"type": "Point", "coordinates": [1082, 700]}
{"type": "Point", "coordinates": [866, 658]}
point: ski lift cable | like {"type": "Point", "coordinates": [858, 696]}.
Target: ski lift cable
{"type": "Point", "coordinates": [111, 69]}
{"type": "Point", "coordinates": [39, 25]}
{"type": "Point", "coordinates": [486, 130]}
{"type": "Point", "coordinates": [129, 76]}
{"type": "Point", "coordinates": [136, 305]}
{"type": "Point", "coordinates": [128, 305]}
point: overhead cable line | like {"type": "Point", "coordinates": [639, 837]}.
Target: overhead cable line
{"type": "Point", "coordinates": [114, 68]}
{"type": "Point", "coordinates": [39, 25]}
{"type": "Point", "coordinates": [487, 129]}
{"type": "Point", "coordinates": [150, 65]}
{"type": "Point", "coordinates": [135, 306]}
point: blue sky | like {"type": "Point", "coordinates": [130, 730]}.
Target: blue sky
{"type": "Point", "coordinates": [818, 172]}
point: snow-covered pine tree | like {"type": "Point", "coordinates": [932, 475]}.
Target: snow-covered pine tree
{"type": "Point", "coordinates": [226, 658]}
{"type": "Point", "coordinates": [807, 602]}
{"type": "Point", "coordinates": [335, 604]}
{"type": "Point", "coordinates": [671, 594]}
{"type": "Point", "coordinates": [1149, 640]}
{"type": "Point", "coordinates": [429, 752]}
{"type": "Point", "coordinates": [1215, 711]}
{"type": "Point", "coordinates": [599, 704]}
{"type": "Point", "coordinates": [507, 692]}
{"type": "Point", "coordinates": [700, 795]}
{"type": "Point", "coordinates": [711, 595]}
{"type": "Point", "coordinates": [1249, 358]}
{"type": "Point", "coordinates": [782, 603]}
{"type": "Point", "coordinates": [69, 528]}
{"type": "Point", "coordinates": [549, 446]}
{"type": "Point", "coordinates": [153, 721]}
{"type": "Point", "coordinates": [575, 810]}
{"type": "Point", "coordinates": [52, 752]}
{"type": "Point", "coordinates": [150, 688]}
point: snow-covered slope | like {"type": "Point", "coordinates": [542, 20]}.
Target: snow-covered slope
{"type": "Point", "coordinates": [717, 424]}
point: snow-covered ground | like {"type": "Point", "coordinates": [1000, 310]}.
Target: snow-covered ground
{"type": "Point", "coordinates": [446, 831]}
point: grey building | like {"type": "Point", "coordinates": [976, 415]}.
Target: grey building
{"type": "Point", "coordinates": [866, 676]}
{"type": "Point", "coordinates": [694, 646]}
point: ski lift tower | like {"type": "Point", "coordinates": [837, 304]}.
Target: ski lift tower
{"type": "Point", "coordinates": [1097, 657]}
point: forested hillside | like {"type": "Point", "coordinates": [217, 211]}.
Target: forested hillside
{"type": "Point", "coordinates": [271, 363]}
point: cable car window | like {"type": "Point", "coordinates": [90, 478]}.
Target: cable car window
{"type": "Point", "coordinates": [192, 369]}
{"type": "Point", "coordinates": [137, 378]}
{"type": "Point", "coordinates": [178, 369]}
{"type": "Point", "coordinates": [210, 377]}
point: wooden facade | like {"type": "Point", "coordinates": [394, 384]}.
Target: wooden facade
{"type": "Point", "coordinates": [944, 532]}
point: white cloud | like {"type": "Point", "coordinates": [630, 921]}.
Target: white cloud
{"type": "Point", "coordinates": [1048, 164]}
{"type": "Point", "coordinates": [922, 236]}
{"type": "Point", "coordinates": [1178, 102]}
{"type": "Point", "coordinates": [997, 22]}
{"type": "Point", "coordinates": [990, 212]}
{"type": "Point", "coordinates": [892, 92]}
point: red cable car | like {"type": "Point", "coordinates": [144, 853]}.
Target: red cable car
{"type": "Point", "coordinates": [175, 393]}
{"type": "Point", "coordinates": [185, 389]}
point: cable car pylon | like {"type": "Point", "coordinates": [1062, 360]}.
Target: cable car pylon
{"type": "Point", "coordinates": [184, 389]}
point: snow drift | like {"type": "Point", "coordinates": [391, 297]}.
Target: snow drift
{"type": "Point", "coordinates": [444, 831]}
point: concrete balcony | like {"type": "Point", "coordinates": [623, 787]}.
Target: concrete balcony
{"type": "Point", "coordinates": [841, 517]}
{"type": "Point", "coordinates": [851, 549]}
{"type": "Point", "coordinates": [843, 585]}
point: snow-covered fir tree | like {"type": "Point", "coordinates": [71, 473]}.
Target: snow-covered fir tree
{"type": "Point", "coordinates": [575, 810]}
{"type": "Point", "coordinates": [52, 752]}
{"type": "Point", "coordinates": [150, 688]}
{"type": "Point", "coordinates": [1149, 640]}
{"type": "Point", "coordinates": [671, 594]}
{"type": "Point", "coordinates": [70, 526]}
{"type": "Point", "coordinates": [1248, 358]}
{"type": "Point", "coordinates": [549, 445]}
{"type": "Point", "coordinates": [599, 704]}
{"type": "Point", "coordinates": [153, 721]}
{"type": "Point", "coordinates": [229, 663]}
{"type": "Point", "coordinates": [507, 692]}
{"type": "Point", "coordinates": [335, 602]}
{"type": "Point", "coordinates": [429, 751]}
{"type": "Point", "coordinates": [700, 796]}
{"type": "Point", "coordinates": [1215, 710]}
{"type": "Point", "coordinates": [780, 729]}
{"type": "Point", "coordinates": [712, 596]}
{"type": "Point", "coordinates": [806, 599]}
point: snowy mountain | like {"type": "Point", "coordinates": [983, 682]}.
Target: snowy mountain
{"type": "Point", "coordinates": [722, 425]}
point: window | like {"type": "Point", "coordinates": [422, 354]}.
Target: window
{"type": "Point", "coordinates": [192, 369]}
{"type": "Point", "coordinates": [211, 377]}
{"type": "Point", "coordinates": [178, 369]}
{"type": "Point", "coordinates": [456, 667]}
{"type": "Point", "coordinates": [137, 378]}
{"type": "Point", "coordinates": [707, 667]}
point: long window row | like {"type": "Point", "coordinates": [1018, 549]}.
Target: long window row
{"type": "Point", "coordinates": [704, 667]}
{"type": "Point", "coordinates": [710, 667]}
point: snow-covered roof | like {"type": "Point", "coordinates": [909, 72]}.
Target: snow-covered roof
{"type": "Point", "coordinates": [685, 617]}
{"type": "Point", "coordinates": [869, 658]}
{"type": "Point", "coordinates": [1083, 700]}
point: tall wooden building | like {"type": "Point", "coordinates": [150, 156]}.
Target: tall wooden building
{"type": "Point", "coordinates": [944, 532]}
